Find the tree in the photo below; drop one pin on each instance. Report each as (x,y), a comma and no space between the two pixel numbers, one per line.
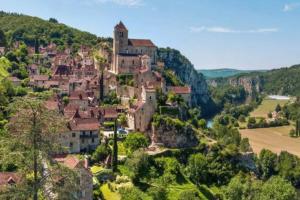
(122,119)
(198,168)
(139,165)
(135,141)
(115,149)
(241,187)
(130,193)
(30,142)
(3,42)
(66,100)
(245,145)
(278,108)
(101,153)
(202,124)
(277,188)
(267,163)
(53,20)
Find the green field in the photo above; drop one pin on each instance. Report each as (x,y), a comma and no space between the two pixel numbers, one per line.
(268,105)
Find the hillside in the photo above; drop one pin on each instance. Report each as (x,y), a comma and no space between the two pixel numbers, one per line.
(222,73)
(18,27)
(283,81)
(186,72)
(25,28)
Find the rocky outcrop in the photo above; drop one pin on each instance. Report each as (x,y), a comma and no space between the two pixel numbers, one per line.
(186,72)
(173,134)
(250,84)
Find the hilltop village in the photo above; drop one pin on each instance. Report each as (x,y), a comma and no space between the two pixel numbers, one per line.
(126,74)
(92,88)
(86,117)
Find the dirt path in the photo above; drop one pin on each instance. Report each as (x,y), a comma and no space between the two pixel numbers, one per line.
(274,139)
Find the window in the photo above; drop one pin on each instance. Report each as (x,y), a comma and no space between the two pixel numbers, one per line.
(150,98)
(93,140)
(71,144)
(83,132)
(73,134)
(91,133)
(133,62)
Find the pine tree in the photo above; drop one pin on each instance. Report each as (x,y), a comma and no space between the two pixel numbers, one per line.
(29,145)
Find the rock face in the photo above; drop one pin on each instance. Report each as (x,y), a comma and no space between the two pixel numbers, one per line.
(250,84)
(173,136)
(186,72)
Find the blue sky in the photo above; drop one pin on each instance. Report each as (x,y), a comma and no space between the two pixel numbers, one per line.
(244,34)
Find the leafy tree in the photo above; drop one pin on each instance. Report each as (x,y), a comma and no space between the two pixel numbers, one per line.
(29,144)
(101,153)
(53,20)
(202,123)
(267,163)
(241,187)
(278,108)
(139,164)
(135,141)
(277,188)
(3,42)
(198,168)
(66,100)
(245,145)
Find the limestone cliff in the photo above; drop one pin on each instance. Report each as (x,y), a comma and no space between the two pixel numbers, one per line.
(173,133)
(186,72)
(251,84)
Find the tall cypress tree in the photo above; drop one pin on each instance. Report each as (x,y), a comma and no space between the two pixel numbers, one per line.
(115,149)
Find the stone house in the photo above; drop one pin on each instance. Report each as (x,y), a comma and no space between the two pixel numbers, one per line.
(82,134)
(183,91)
(79,98)
(38,80)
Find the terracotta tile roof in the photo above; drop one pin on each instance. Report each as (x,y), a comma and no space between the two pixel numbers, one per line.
(79,124)
(9,178)
(109,112)
(180,89)
(78,95)
(69,161)
(140,43)
(39,77)
(120,26)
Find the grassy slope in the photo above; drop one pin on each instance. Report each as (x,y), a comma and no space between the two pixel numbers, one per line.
(268,105)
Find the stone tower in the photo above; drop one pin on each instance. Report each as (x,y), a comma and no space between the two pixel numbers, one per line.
(120,39)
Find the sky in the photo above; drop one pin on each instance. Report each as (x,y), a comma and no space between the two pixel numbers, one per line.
(242,34)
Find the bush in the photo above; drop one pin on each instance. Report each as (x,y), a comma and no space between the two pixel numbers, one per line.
(189,195)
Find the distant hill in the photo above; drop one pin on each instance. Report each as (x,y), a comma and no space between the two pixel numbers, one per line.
(283,81)
(222,73)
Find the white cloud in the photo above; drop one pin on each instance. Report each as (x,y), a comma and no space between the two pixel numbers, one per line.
(290,7)
(129,3)
(218,29)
